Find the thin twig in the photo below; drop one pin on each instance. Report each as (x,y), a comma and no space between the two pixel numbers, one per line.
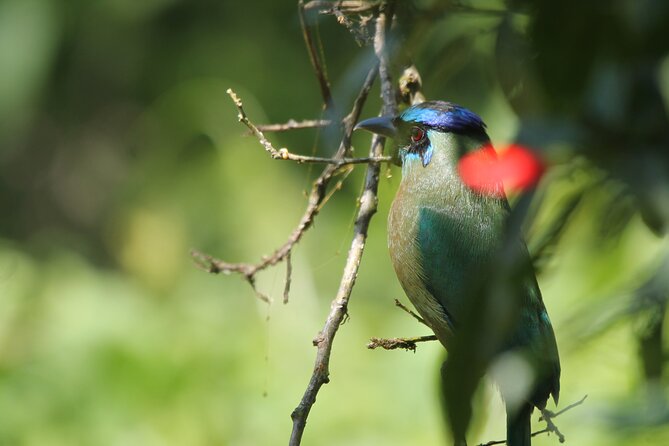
(262,296)
(316,61)
(368,206)
(381,51)
(411,312)
(550,426)
(345,6)
(284,154)
(547,416)
(295,125)
(289,273)
(493,442)
(405,343)
(396,343)
(324,339)
(319,193)
(337,187)
(569,407)
(213,265)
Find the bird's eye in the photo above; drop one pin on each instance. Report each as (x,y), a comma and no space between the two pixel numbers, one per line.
(417,134)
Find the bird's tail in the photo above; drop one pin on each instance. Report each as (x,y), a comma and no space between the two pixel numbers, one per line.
(518,431)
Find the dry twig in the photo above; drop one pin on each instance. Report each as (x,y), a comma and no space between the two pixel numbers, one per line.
(368,204)
(284,154)
(295,125)
(397,343)
(410,312)
(547,416)
(405,343)
(315,57)
(317,197)
(289,274)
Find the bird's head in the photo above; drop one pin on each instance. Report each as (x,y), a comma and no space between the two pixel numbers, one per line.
(419,130)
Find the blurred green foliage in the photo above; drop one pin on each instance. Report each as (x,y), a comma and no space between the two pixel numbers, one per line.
(120,151)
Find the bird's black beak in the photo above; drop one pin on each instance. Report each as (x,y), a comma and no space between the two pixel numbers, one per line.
(383,125)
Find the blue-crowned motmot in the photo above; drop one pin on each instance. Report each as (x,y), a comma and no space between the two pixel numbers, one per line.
(443,235)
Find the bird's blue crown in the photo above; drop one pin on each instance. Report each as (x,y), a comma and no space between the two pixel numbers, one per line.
(446,117)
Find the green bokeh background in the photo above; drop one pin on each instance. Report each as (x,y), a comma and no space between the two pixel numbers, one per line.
(120,151)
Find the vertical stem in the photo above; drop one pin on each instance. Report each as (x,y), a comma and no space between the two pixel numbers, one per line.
(368,205)
(314,57)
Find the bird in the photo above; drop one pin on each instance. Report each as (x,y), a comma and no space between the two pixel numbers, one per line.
(442,235)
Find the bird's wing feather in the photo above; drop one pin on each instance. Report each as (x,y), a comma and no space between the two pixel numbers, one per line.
(455,257)
(454,251)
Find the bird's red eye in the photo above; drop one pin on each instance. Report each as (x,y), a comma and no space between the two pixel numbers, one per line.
(417,134)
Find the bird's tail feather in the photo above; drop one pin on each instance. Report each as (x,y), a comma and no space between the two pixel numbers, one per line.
(518,431)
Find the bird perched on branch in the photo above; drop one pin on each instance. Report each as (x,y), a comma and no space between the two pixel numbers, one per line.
(445,236)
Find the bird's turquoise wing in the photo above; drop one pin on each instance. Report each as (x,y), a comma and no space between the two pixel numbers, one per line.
(456,254)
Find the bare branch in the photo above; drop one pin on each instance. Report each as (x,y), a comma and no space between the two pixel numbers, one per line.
(550,426)
(295,125)
(337,187)
(569,407)
(547,416)
(368,205)
(317,196)
(380,49)
(323,341)
(215,266)
(318,192)
(284,154)
(395,343)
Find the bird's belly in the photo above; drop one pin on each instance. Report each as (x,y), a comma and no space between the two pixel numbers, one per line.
(408,264)
(437,255)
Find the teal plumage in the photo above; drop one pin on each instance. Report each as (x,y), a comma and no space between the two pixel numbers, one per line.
(442,236)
